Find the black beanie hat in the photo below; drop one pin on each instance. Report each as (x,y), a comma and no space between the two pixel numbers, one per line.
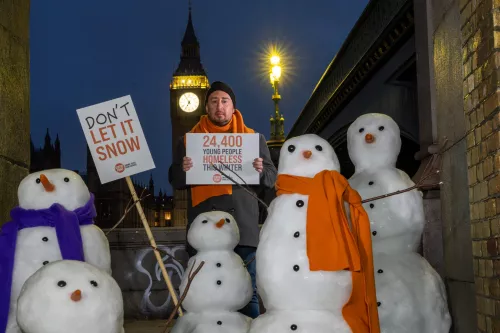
(218,85)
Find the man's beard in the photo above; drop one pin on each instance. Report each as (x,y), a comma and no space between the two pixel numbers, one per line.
(218,122)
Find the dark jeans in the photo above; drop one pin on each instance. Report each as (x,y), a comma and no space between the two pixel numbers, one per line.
(247,253)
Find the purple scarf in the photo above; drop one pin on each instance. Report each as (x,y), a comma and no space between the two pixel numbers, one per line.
(67,224)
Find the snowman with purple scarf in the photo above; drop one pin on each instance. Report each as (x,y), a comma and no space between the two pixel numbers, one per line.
(54,221)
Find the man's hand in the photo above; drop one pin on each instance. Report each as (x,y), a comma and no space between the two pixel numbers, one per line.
(187,164)
(257,164)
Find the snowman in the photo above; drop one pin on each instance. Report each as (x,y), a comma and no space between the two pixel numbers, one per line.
(70,296)
(314,271)
(54,221)
(222,286)
(410,294)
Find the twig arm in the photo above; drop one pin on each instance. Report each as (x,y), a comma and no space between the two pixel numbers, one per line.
(127,210)
(429,171)
(237,184)
(191,276)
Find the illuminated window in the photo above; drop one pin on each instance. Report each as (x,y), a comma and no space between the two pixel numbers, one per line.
(192,81)
(168,216)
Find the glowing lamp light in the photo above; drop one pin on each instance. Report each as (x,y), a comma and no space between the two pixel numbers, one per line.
(276,72)
(275,60)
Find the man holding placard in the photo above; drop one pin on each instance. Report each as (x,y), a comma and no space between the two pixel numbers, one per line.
(221,139)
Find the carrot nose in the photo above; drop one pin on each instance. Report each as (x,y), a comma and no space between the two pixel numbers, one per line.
(47,185)
(369,138)
(220,223)
(76,295)
(307,153)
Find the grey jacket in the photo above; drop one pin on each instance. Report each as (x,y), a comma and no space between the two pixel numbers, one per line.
(241,204)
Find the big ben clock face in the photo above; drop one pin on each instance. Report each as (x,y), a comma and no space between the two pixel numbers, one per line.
(189,102)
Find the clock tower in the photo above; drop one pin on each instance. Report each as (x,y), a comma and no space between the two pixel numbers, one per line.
(187,103)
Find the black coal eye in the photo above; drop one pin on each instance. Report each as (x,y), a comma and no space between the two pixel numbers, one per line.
(319,148)
(228,220)
(66,179)
(61,283)
(291,148)
(381,128)
(93,283)
(38,180)
(361,130)
(204,221)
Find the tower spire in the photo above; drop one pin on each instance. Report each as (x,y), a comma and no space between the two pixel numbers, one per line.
(48,141)
(189,35)
(190,57)
(151,185)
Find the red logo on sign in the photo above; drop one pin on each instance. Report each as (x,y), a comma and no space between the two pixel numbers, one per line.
(119,168)
(217,178)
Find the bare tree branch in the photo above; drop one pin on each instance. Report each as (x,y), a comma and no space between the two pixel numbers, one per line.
(429,171)
(162,252)
(397,192)
(184,294)
(130,206)
(244,188)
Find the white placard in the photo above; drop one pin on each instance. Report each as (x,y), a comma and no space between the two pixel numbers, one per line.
(231,153)
(115,138)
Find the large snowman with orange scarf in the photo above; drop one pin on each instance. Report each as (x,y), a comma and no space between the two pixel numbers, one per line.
(410,294)
(54,221)
(314,271)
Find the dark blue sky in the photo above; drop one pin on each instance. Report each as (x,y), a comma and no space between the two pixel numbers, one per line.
(86,52)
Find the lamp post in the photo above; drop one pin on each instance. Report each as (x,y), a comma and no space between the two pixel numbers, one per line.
(277,130)
(277,122)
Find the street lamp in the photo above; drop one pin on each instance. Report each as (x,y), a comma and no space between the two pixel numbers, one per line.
(277,122)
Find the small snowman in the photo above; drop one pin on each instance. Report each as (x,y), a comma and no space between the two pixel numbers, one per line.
(70,296)
(314,273)
(54,221)
(410,294)
(222,286)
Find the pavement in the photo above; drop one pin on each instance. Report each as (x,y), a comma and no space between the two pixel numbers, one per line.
(147,326)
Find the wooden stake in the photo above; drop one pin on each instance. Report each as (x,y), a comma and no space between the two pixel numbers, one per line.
(153,243)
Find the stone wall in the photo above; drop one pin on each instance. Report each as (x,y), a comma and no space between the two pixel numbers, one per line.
(14,101)
(480,21)
(447,238)
(452,125)
(138,274)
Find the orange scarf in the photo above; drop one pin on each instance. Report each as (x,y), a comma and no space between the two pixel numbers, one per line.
(201,193)
(332,246)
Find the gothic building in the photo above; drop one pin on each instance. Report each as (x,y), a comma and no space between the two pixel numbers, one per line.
(46,157)
(112,200)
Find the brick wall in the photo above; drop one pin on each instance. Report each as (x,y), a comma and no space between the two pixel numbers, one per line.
(481,62)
